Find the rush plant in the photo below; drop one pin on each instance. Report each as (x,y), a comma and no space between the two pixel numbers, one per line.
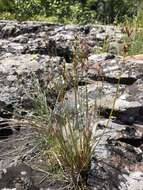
(65,133)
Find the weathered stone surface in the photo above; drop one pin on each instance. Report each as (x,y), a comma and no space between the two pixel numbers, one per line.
(31,50)
(114,68)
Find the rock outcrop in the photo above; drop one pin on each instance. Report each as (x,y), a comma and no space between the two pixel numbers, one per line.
(32,49)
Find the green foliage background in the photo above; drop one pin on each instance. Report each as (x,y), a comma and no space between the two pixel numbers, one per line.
(76,11)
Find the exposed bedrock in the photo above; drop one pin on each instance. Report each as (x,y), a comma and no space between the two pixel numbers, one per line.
(32,50)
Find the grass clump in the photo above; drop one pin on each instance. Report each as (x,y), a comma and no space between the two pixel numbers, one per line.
(65,133)
(133,40)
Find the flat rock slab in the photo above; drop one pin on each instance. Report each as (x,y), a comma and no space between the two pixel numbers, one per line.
(34,53)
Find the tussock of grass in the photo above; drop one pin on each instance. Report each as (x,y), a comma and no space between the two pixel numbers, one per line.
(133,41)
(65,136)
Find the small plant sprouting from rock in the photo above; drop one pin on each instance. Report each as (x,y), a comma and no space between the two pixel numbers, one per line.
(64,132)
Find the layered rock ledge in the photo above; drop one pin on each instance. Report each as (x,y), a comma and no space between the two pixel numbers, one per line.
(40,48)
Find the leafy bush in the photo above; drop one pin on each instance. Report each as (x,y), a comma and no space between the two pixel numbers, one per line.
(82,15)
(110,10)
(26,9)
(68,11)
(77,11)
(7,16)
(6,5)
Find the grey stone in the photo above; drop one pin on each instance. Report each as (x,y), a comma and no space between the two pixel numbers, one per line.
(33,55)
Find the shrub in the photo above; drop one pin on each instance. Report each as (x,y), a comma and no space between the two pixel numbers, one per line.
(77,11)
(26,9)
(109,11)
(6,5)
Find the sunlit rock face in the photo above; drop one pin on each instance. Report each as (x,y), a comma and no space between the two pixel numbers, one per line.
(31,51)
